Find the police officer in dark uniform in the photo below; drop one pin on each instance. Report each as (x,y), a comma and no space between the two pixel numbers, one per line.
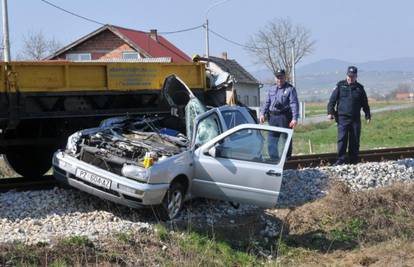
(345,105)
(282,108)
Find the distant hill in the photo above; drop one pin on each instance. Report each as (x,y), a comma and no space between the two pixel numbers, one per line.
(323,67)
(335,66)
(394,64)
(379,77)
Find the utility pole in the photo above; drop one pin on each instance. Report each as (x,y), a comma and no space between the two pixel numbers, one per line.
(302,105)
(207,41)
(6,43)
(206,26)
(293,64)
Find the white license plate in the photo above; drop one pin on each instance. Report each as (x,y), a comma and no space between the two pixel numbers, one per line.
(94,179)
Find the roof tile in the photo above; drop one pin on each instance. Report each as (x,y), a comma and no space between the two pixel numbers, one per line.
(160,48)
(235,69)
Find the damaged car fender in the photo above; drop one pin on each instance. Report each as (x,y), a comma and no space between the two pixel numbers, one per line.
(172,167)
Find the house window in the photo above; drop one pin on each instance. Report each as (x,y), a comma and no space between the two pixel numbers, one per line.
(255,101)
(78,56)
(246,100)
(130,55)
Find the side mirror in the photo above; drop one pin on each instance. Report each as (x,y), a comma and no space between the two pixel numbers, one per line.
(212,152)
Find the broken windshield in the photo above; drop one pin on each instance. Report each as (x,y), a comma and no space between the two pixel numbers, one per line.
(207,129)
(192,110)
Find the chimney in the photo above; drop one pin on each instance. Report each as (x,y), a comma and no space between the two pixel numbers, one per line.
(224,55)
(153,34)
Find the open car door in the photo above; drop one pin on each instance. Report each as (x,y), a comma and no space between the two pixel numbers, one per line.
(243,164)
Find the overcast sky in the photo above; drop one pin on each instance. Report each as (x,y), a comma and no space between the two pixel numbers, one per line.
(351,30)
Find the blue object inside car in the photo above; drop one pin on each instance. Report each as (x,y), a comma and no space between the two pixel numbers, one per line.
(168,131)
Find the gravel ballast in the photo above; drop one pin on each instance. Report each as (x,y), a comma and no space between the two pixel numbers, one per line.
(304,185)
(44,216)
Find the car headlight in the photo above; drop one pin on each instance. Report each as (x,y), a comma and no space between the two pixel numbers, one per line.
(72,143)
(135,172)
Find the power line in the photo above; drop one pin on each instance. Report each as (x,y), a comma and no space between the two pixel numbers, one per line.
(100,23)
(230,41)
(236,43)
(72,13)
(183,30)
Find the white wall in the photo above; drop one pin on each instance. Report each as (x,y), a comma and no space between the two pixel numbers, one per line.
(248,94)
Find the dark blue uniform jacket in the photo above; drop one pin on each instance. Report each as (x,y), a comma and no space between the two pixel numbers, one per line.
(281,100)
(347,100)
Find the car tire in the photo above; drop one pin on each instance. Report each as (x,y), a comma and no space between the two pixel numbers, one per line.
(172,203)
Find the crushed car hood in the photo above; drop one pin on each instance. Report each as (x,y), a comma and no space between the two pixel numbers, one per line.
(182,100)
(176,92)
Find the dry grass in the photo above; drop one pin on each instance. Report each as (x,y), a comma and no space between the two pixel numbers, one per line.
(388,253)
(125,249)
(368,217)
(373,227)
(120,250)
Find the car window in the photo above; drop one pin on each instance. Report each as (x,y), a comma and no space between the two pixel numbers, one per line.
(233,118)
(253,145)
(207,129)
(192,110)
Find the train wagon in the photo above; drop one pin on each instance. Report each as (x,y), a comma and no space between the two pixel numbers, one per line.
(42,102)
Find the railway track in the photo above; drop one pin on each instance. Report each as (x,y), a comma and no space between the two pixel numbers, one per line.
(27,184)
(374,155)
(296,162)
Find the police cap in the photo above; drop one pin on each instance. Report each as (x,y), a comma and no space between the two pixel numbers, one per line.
(280,73)
(352,71)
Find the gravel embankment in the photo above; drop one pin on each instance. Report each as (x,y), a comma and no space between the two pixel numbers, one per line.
(304,185)
(44,216)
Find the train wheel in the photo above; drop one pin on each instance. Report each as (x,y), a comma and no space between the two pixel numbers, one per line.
(30,161)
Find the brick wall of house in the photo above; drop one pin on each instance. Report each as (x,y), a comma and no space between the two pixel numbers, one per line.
(104,45)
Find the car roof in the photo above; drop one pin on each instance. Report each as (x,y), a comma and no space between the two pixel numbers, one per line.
(227,107)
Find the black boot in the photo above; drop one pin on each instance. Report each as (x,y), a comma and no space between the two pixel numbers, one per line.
(338,162)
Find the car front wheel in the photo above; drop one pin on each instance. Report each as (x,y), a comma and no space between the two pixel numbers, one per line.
(172,203)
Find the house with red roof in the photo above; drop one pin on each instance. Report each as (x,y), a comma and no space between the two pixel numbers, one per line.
(121,44)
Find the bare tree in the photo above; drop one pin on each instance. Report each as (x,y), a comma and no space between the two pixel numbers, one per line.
(273,45)
(36,46)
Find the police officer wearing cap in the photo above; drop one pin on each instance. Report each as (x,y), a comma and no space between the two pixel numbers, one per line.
(282,108)
(345,105)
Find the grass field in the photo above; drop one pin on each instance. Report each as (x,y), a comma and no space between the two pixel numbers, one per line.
(315,109)
(387,129)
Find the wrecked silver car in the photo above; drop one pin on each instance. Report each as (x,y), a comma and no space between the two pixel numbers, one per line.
(161,161)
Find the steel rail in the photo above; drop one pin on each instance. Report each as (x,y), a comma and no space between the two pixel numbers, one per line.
(373,155)
(27,183)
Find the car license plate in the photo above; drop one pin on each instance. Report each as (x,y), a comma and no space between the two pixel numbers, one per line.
(94,179)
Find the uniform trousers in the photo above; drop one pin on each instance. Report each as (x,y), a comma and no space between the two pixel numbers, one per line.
(280,120)
(349,132)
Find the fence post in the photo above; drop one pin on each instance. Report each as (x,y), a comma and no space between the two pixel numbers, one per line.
(310,146)
(302,109)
